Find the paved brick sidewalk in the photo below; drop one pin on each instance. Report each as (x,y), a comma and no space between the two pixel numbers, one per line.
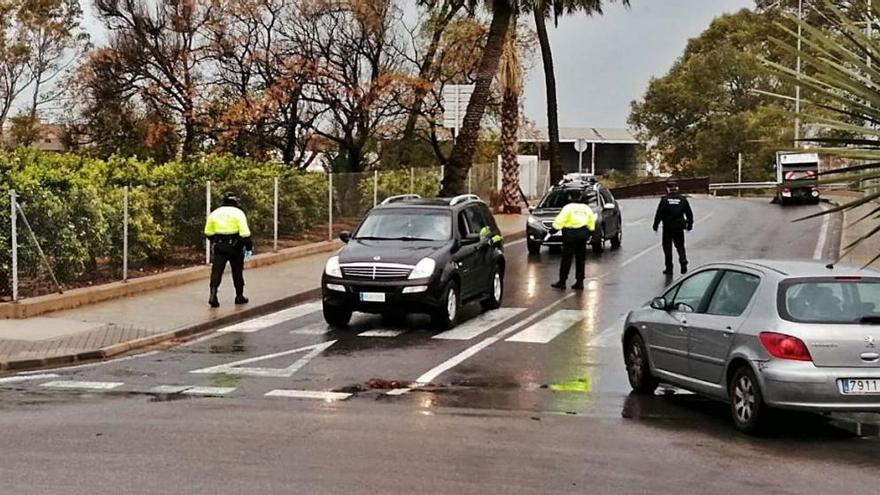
(105,329)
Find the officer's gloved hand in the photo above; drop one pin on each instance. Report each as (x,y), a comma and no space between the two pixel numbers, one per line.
(248,254)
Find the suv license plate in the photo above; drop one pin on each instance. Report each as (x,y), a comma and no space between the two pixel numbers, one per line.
(859,386)
(373,297)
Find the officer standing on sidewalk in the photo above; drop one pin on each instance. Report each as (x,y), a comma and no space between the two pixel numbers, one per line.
(577,223)
(227,229)
(674,212)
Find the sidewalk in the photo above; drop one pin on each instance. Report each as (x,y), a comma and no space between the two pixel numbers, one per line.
(114,327)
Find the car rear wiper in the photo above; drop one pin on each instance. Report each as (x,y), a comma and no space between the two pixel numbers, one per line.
(869,320)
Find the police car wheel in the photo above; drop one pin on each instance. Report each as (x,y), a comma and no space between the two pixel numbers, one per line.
(617,241)
(599,244)
(534,247)
(496,292)
(337,316)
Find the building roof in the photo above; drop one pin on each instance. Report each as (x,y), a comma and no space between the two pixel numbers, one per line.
(571,134)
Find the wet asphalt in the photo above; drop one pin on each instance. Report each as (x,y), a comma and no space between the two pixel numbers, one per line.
(553,414)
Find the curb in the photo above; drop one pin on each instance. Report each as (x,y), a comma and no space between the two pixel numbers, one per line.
(180,333)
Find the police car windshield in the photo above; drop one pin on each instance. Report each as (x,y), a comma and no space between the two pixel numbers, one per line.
(560,198)
(415,225)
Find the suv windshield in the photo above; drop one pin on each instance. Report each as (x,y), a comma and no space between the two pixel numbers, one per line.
(831,301)
(406,225)
(559,198)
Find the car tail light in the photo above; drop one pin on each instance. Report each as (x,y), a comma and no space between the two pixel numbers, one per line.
(786,190)
(785,346)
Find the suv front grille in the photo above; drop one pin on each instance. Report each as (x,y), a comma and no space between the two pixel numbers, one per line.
(376,271)
(548,224)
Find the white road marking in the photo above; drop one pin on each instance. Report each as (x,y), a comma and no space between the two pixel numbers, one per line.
(386,334)
(25,378)
(544,331)
(476,348)
(235,368)
(211,391)
(635,223)
(398,391)
(83,385)
(480,325)
(308,394)
(316,329)
(169,389)
(273,319)
(819,253)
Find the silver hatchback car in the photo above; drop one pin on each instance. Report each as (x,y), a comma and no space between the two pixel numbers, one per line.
(763,334)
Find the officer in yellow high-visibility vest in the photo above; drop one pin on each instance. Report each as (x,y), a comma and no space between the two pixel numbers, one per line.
(577,223)
(230,236)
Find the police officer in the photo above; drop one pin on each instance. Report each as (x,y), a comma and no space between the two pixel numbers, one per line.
(675,213)
(227,228)
(577,223)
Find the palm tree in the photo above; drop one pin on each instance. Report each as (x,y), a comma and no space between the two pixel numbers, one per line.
(510,78)
(542,10)
(463,152)
(842,97)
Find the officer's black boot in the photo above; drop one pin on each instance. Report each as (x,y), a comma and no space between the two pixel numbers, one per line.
(213,301)
(684,268)
(559,285)
(579,285)
(239,297)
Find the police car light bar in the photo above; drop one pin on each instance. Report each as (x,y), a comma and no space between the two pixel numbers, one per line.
(402,197)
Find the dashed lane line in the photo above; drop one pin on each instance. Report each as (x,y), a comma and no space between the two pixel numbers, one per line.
(209,391)
(384,334)
(273,319)
(26,378)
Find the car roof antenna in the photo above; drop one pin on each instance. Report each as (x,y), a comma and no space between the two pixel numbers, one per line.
(830,266)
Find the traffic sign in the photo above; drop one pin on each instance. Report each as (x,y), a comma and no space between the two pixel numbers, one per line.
(580,145)
(456,98)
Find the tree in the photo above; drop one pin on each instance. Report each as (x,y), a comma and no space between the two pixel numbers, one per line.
(164,50)
(511,82)
(705,110)
(15,54)
(462,154)
(542,10)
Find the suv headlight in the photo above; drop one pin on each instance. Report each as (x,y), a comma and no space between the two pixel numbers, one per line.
(332,269)
(534,222)
(424,269)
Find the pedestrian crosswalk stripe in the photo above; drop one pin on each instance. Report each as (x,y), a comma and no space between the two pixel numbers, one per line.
(273,319)
(480,325)
(237,368)
(388,334)
(209,391)
(25,378)
(308,394)
(82,385)
(547,329)
(316,329)
(169,389)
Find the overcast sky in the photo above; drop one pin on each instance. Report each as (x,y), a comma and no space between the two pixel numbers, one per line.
(603,63)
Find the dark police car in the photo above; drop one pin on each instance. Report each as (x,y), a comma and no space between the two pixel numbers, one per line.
(413,255)
(609,225)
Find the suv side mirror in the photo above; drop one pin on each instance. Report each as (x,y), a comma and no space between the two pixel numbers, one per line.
(610,206)
(345,236)
(660,304)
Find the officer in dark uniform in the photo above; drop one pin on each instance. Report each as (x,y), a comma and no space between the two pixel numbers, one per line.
(227,229)
(675,213)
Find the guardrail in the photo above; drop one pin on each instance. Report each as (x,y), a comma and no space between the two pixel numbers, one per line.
(739,186)
(686,186)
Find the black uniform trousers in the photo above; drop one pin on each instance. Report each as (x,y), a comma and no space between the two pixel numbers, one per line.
(574,247)
(228,251)
(674,237)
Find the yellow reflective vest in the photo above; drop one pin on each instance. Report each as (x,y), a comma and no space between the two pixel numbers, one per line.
(227,220)
(575,216)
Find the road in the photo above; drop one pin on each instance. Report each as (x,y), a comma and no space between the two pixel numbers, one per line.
(530,399)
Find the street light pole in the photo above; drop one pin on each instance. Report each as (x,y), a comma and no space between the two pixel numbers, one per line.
(797,103)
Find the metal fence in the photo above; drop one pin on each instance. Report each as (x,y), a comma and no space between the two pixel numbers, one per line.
(59,242)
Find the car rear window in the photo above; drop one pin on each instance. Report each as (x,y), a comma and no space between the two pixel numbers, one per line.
(830,300)
(559,198)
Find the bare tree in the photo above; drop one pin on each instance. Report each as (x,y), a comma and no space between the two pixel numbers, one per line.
(15,75)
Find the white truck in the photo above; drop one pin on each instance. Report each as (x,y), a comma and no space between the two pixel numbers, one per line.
(796,176)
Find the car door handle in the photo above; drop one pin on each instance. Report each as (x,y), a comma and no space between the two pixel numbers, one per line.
(728,332)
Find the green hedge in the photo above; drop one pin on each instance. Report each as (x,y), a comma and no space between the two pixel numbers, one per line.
(75,206)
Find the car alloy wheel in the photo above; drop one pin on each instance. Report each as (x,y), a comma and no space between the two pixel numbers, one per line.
(496,286)
(637,368)
(746,401)
(451,304)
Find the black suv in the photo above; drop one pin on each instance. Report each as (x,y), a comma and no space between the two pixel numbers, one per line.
(609,224)
(413,255)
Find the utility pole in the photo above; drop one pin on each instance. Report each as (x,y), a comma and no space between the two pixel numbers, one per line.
(797,103)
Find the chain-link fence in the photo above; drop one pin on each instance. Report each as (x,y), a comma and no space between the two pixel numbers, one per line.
(71,235)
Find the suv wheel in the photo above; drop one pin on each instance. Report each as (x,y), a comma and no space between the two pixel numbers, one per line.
(446,316)
(746,401)
(617,240)
(599,244)
(637,368)
(337,316)
(494,299)
(534,247)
